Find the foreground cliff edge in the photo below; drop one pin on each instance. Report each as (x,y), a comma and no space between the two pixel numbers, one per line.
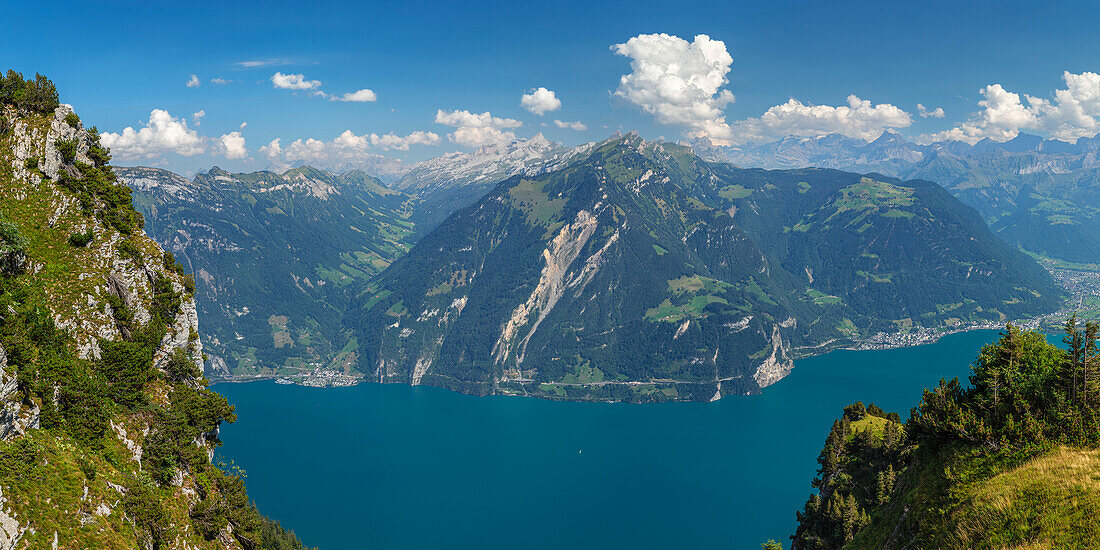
(108,429)
(1009,461)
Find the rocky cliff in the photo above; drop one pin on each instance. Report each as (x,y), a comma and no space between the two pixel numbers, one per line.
(107,429)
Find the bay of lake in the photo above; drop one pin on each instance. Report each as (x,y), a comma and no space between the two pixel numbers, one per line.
(395,466)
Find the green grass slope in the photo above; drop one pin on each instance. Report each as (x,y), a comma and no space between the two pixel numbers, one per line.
(1009,461)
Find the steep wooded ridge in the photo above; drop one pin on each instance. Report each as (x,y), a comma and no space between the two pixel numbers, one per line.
(640,272)
(107,430)
(1009,460)
(274,255)
(1041,195)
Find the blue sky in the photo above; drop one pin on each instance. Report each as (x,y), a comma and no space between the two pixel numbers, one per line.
(116,62)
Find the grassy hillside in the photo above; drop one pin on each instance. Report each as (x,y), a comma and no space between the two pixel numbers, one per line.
(1009,461)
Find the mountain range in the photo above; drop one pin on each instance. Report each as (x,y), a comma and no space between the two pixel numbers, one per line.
(273,255)
(446,183)
(620,269)
(1039,194)
(641,272)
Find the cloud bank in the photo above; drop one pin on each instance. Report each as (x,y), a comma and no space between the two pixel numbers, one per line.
(347,149)
(859,119)
(164,134)
(1073,113)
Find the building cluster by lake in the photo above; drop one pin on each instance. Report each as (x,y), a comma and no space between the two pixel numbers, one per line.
(322,378)
(1082,287)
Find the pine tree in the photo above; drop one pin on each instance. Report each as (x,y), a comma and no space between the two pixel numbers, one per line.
(1090,365)
(1071,367)
(834,447)
(890,437)
(852,517)
(1009,352)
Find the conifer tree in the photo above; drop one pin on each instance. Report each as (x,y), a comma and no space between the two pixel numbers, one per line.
(1090,365)
(1071,367)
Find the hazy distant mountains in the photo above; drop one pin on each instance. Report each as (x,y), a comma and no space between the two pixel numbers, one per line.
(1042,195)
(446,183)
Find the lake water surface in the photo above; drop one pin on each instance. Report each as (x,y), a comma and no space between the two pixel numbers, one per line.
(394,466)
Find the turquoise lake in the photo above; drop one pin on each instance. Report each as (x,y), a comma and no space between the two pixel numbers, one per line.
(394,466)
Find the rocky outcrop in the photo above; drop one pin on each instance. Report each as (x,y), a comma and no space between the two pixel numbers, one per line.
(84,310)
(778,363)
(559,255)
(10,529)
(15,418)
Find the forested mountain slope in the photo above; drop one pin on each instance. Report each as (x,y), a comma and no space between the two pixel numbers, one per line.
(1038,194)
(640,272)
(107,428)
(274,255)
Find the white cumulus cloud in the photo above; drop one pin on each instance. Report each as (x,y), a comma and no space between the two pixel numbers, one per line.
(294,82)
(219,81)
(363,95)
(466,118)
(272,150)
(401,143)
(480,136)
(348,148)
(1073,113)
(197,117)
(578,125)
(679,82)
(162,134)
(194,82)
(231,146)
(477,130)
(540,101)
(930,113)
(1000,119)
(859,119)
